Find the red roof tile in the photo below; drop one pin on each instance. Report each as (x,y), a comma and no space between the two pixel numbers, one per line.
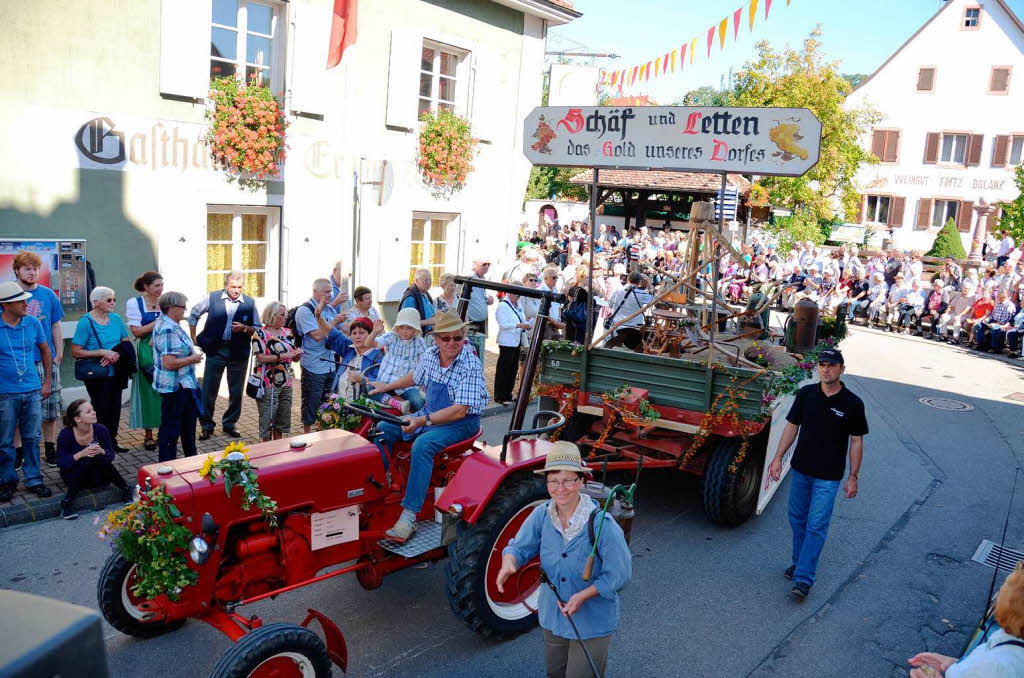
(662,179)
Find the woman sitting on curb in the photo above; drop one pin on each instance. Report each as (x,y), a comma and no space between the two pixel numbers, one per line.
(85,455)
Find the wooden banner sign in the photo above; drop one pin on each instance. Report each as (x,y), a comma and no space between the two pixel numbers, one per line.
(768,141)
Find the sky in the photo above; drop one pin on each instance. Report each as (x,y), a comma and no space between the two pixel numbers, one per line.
(861,34)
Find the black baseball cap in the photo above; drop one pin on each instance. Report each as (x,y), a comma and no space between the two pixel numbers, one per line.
(831,355)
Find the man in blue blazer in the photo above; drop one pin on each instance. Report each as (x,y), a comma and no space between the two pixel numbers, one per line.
(230,321)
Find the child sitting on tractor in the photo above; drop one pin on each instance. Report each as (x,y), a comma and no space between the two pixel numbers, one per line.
(403,347)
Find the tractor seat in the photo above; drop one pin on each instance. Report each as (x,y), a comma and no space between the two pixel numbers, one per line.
(456,449)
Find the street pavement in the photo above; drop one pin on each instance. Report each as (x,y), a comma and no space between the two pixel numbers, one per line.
(895,577)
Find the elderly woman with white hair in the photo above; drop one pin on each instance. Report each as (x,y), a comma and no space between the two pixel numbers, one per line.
(104,358)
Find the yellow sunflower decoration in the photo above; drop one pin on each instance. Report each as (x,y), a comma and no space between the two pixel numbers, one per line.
(237,446)
(206,471)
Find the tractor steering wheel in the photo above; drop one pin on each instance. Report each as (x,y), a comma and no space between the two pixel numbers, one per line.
(376,415)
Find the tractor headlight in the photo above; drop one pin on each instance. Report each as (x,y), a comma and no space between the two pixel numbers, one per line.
(455,510)
(198,550)
(136,494)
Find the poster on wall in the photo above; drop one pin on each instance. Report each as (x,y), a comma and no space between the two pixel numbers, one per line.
(63,270)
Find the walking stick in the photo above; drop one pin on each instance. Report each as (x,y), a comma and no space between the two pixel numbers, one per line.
(593,666)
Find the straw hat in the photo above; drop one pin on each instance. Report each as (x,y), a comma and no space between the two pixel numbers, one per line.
(11,291)
(409,317)
(449,321)
(564,456)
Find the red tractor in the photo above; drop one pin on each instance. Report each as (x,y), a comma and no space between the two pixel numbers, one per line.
(337,493)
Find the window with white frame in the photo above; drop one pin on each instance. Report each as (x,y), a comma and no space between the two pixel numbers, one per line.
(429,244)
(954,149)
(877,209)
(245,41)
(242,238)
(971,17)
(1016,150)
(439,72)
(943,211)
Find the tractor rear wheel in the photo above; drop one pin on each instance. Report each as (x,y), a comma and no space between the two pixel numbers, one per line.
(731,498)
(273,651)
(120,606)
(474,559)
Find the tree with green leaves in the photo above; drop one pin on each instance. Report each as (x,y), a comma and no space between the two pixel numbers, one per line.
(806,79)
(1013,211)
(948,243)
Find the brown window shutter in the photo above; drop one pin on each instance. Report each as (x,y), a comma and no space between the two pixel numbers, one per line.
(1002,147)
(892,143)
(931,148)
(863,204)
(925,79)
(974,142)
(878,143)
(896,208)
(1000,80)
(963,216)
(924,213)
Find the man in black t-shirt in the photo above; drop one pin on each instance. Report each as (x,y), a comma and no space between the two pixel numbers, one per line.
(830,419)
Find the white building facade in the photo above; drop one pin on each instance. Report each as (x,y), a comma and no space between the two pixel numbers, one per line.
(952,101)
(106,128)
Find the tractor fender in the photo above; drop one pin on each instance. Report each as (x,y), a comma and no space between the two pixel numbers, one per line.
(483,472)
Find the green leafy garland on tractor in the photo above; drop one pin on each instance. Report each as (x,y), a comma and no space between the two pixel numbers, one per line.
(333,415)
(147,533)
(237,471)
(644,416)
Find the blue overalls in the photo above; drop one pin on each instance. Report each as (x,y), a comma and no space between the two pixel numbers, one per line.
(427,442)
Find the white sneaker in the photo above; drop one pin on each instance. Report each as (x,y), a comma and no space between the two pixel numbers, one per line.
(401,531)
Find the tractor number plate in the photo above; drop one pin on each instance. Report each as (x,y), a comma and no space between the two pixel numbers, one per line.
(334,527)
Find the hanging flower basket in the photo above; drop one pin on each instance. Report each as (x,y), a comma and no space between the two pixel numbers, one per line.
(446,152)
(246,134)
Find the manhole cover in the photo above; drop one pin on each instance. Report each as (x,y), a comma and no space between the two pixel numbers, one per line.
(946,404)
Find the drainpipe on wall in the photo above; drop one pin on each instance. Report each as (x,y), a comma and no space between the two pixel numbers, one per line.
(357,212)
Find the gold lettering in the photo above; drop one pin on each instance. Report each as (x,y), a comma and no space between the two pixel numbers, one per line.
(137,146)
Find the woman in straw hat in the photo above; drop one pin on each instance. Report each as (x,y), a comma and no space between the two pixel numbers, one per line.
(558,531)
(452,377)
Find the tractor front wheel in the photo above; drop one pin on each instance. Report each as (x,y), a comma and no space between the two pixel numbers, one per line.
(474,559)
(730,498)
(120,607)
(276,651)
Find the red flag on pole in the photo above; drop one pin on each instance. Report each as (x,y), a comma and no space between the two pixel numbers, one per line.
(343,30)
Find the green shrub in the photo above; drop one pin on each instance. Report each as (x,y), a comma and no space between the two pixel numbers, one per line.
(800,227)
(947,243)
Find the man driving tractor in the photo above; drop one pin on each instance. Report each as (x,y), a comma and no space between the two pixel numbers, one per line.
(452,378)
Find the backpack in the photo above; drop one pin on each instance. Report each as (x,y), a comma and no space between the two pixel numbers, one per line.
(289,322)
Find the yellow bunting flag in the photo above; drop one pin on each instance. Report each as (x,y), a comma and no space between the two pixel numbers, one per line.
(723,27)
(753,13)
(657,62)
(673,61)
(693,49)
(643,68)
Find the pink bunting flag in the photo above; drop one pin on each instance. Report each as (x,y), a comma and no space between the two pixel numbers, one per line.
(737,15)
(767,6)
(711,39)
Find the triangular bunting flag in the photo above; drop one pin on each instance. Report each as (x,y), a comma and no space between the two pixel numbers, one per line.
(753,13)
(693,50)
(682,57)
(674,61)
(648,71)
(657,62)
(736,24)
(711,39)
(722,29)
(643,70)
(664,63)
(767,6)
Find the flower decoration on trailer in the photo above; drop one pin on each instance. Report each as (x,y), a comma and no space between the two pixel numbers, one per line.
(332,413)
(446,152)
(236,470)
(246,136)
(562,393)
(148,533)
(620,404)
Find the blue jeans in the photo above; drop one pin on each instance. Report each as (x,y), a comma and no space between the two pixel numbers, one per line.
(315,389)
(810,512)
(853,306)
(478,342)
(178,414)
(22,411)
(427,444)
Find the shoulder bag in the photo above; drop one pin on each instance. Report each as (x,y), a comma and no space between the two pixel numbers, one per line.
(91,368)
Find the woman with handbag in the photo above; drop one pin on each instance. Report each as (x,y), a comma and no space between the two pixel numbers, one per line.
(99,344)
(273,351)
(141,313)
(511,321)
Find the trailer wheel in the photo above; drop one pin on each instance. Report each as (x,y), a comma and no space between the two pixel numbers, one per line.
(474,559)
(276,650)
(731,498)
(120,606)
